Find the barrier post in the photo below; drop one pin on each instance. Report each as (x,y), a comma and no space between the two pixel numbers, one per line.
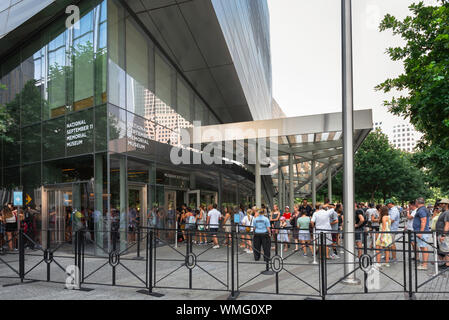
(138,241)
(435,251)
(410,273)
(234,294)
(21,256)
(176,234)
(404,262)
(189,251)
(365,251)
(416,262)
(47,253)
(314,239)
(114,248)
(323,265)
(149,267)
(150,262)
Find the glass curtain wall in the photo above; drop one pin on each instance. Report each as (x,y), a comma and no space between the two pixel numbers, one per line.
(54,89)
(148,103)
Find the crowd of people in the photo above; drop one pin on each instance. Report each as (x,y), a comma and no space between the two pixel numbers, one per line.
(377,226)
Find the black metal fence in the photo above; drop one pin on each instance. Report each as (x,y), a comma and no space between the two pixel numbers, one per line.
(280,264)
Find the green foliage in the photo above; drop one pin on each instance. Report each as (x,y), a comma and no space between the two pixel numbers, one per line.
(423,88)
(6,120)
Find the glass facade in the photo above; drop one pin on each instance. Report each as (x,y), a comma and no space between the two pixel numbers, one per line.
(95,111)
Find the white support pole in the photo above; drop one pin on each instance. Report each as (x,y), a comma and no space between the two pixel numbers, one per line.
(435,251)
(314,247)
(290,183)
(329,183)
(258,179)
(348,146)
(280,193)
(313,183)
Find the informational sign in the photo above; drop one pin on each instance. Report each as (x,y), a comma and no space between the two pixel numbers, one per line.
(18,198)
(78,132)
(138,137)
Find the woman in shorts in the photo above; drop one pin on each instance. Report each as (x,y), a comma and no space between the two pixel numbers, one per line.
(303,224)
(247,222)
(201,222)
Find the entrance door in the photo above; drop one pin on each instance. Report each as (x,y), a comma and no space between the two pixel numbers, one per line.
(64,209)
(193,199)
(137,209)
(57,207)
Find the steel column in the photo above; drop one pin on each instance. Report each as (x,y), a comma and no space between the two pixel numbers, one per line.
(348,146)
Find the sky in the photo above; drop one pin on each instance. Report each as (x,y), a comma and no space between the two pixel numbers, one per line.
(306,54)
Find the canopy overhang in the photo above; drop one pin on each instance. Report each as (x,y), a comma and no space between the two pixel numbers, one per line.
(302,141)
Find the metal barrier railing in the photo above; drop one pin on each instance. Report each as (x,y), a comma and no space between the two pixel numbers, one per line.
(148,262)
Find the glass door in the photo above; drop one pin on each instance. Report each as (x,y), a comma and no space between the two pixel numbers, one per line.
(66,209)
(57,216)
(194,199)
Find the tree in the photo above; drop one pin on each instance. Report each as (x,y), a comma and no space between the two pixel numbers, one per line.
(423,87)
(5,119)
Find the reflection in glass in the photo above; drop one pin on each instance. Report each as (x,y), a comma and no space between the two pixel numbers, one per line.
(31,143)
(136,69)
(116,49)
(54,138)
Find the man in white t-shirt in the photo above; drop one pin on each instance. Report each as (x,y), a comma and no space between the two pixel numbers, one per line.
(213,220)
(321,221)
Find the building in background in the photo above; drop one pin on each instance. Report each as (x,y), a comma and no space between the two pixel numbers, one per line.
(400,132)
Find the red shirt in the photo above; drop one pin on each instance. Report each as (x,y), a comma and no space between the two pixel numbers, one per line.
(287,215)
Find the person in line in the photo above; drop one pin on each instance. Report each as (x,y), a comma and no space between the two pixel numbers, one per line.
(287,215)
(384,238)
(442,229)
(359,224)
(410,215)
(294,227)
(305,206)
(227,226)
(275,221)
(241,227)
(373,222)
(213,220)
(303,224)
(333,215)
(283,234)
(262,236)
(247,223)
(421,224)
(10,221)
(202,219)
(322,224)
(395,217)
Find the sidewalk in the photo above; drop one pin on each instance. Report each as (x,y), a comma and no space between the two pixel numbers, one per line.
(212,273)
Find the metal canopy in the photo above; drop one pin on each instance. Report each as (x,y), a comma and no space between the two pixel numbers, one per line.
(315,138)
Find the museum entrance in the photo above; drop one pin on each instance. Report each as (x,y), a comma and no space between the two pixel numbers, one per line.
(67,208)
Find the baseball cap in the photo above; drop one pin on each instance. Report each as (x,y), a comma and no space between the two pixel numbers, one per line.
(445,201)
(388,201)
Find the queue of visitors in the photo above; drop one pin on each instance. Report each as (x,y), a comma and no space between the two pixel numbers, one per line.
(296,230)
